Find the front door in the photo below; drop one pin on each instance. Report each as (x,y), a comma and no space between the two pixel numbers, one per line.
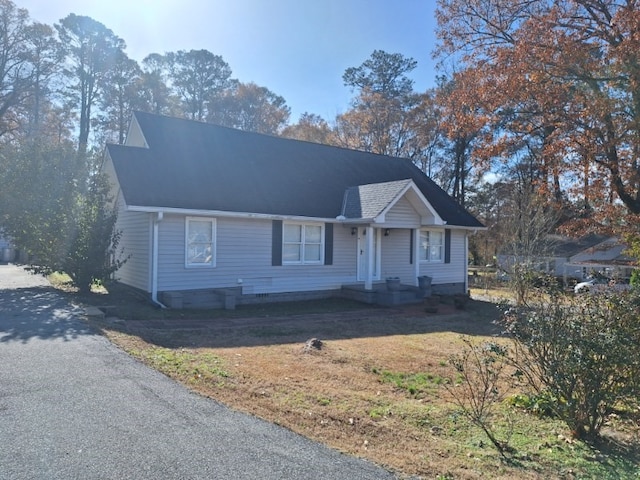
(363,254)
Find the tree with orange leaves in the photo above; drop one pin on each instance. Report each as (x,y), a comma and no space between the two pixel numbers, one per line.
(557,81)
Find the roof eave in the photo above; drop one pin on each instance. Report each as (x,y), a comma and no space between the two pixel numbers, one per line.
(270,216)
(230,214)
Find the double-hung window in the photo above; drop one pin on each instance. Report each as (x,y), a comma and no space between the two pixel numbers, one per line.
(432,246)
(200,242)
(302,243)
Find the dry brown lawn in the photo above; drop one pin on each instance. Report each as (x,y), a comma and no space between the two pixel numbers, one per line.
(356,393)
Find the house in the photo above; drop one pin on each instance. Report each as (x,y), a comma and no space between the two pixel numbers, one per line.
(252,217)
(578,258)
(605,258)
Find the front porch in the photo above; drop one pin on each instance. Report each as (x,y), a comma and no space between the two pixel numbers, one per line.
(228,298)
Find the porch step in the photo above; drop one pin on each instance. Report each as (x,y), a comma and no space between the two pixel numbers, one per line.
(399,297)
(380,295)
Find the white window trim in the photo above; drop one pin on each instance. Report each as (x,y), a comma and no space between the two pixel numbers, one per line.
(214,243)
(420,250)
(302,261)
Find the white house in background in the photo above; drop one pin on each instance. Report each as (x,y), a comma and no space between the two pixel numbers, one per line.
(207,211)
(606,258)
(579,258)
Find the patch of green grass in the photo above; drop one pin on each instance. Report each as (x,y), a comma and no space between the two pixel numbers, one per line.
(543,404)
(190,365)
(409,411)
(381,411)
(446,476)
(540,444)
(296,399)
(416,384)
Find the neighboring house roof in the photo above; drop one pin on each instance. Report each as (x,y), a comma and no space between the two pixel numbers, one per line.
(200,166)
(610,252)
(560,246)
(567,247)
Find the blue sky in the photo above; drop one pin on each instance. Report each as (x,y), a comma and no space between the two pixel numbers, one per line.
(299,49)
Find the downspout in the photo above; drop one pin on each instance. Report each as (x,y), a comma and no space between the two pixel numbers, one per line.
(154,261)
(466,263)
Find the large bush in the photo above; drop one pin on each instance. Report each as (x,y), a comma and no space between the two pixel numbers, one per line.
(92,255)
(62,218)
(583,351)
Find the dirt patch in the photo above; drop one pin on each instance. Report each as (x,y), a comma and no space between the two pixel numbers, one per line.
(286,329)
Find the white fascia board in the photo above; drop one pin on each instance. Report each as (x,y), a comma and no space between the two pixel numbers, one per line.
(220,213)
(462,227)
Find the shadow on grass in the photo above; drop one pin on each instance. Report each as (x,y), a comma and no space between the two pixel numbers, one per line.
(294,322)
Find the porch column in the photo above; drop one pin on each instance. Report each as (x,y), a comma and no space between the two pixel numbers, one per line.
(415,234)
(368,281)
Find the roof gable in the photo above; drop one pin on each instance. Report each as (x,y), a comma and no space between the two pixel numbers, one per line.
(135,136)
(369,201)
(375,200)
(200,166)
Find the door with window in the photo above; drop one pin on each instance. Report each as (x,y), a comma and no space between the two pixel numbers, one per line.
(363,254)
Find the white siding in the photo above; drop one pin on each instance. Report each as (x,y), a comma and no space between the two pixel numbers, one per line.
(402,214)
(135,137)
(456,270)
(243,257)
(396,256)
(135,244)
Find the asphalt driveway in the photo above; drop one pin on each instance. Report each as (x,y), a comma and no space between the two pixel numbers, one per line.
(73,406)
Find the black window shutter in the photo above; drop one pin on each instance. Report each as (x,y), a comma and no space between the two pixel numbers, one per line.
(447,246)
(328,243)
(276,243)
(411,247)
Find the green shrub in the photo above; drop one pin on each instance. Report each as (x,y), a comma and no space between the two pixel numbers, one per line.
(582,351)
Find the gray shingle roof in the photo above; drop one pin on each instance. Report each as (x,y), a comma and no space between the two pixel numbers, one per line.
(562,246)
(194,165)
(368,201)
